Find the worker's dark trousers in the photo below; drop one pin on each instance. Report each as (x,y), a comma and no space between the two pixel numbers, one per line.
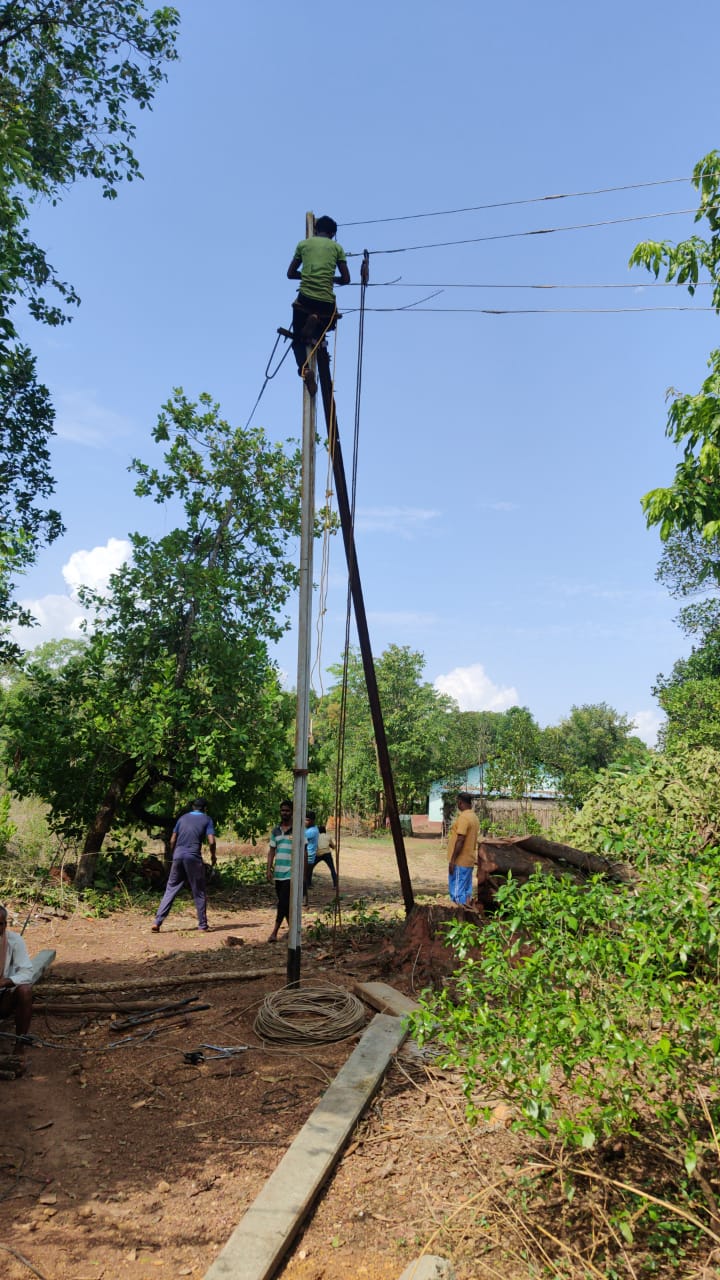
(282,889)
(328,859)
(191,872)
(302,308)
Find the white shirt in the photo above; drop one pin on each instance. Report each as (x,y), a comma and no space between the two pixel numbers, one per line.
(17,960)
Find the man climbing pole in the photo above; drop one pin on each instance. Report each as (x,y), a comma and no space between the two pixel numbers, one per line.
(315,309)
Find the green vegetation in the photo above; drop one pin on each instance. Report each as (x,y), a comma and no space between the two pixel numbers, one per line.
(592,1011)
(420,727)
(72,75)
(173,693)
(691,503)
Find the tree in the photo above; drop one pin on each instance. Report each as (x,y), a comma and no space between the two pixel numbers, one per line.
(514,764)
(592,737)
(473,736)
(691,503)
(174,692)
(689,696)
(689,568)
(71,73)
(418,726)
(26,423)
(692,708)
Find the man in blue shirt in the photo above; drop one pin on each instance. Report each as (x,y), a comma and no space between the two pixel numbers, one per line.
(311,844)
(187,864)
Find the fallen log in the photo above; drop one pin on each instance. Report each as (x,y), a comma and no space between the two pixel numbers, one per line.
(96,1006)
(76,1008)
(71,987)
(523,855)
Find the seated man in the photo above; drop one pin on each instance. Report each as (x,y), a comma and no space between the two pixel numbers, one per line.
(15,982)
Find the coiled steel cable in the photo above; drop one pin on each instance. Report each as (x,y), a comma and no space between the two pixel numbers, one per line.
(316,1011)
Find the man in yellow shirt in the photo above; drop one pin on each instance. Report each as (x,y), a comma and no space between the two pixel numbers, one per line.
(314,310)
(462,850)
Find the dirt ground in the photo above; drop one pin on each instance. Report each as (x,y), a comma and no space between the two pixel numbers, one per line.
(122,1160)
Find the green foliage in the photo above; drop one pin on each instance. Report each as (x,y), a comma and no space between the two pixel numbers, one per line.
(7,827)
(524,825)
(359,923)
(691,502)
(690,695)
(514,764)
(72,74)
(651,810)
(693,714)
(173,693)
(26,424)
(240,873)
(418,725)
(593,1009)
(588,740)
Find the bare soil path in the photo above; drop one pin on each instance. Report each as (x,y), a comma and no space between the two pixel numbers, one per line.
(123,1161)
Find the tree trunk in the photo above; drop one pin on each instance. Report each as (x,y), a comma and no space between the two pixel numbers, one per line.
(101,824)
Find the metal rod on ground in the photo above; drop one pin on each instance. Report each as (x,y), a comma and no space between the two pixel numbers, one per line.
(302,715)
(325,376)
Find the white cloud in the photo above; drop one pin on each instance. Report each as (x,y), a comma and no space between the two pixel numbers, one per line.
(81,420)
(405,522)
(58,618)
(647,724)
(473,690)
(93,568)
(500,506)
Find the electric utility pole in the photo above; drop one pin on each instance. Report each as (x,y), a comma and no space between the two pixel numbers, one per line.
(302,714)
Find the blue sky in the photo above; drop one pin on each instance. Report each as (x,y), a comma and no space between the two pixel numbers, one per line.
(502,457)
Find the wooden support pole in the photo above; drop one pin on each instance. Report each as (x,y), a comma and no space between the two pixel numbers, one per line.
(343,502)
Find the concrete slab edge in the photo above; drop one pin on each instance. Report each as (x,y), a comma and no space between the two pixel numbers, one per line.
(266,1231)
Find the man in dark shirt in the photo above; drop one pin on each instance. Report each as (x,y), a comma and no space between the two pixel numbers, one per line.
(187,864)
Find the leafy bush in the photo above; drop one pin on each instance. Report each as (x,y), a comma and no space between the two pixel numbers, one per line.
(7,828)
(360,922)
(594,1011)
(664,808)
(237,873)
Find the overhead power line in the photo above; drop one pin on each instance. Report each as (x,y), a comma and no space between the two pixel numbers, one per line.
(508,204)
(650,284)
(528,311)
(539,231)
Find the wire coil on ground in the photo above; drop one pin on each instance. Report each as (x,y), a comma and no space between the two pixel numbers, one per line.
(316,1011)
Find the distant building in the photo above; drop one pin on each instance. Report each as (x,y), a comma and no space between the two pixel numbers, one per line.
(542,801)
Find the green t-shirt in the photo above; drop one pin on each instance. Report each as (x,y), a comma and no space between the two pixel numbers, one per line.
(319,257)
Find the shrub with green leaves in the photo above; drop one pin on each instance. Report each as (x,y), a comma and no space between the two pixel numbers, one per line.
(664,808)
(591,1008)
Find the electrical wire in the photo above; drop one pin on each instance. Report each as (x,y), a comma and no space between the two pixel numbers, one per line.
(528,311)
(508,204)
(538,231)
(632,284)
(317,1011)
(269,376)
